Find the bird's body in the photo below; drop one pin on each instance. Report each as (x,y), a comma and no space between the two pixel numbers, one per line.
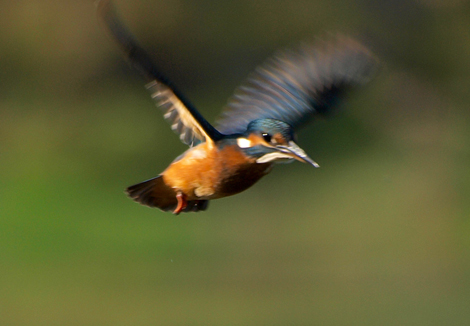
(256,129)
(211,172)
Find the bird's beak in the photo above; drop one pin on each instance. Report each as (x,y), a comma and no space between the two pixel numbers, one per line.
(293,150)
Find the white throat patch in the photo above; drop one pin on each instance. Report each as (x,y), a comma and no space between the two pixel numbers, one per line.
(275,156)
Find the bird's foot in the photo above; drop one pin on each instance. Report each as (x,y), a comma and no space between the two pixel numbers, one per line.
(182,203)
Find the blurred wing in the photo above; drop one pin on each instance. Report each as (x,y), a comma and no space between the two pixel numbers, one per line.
(185,120)
(294,86)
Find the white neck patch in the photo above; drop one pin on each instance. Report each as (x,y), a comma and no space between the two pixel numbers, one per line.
(243,142)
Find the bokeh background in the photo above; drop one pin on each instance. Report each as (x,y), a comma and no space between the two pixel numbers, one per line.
(379,235)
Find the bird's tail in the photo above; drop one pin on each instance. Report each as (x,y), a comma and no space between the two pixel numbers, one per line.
(156,193)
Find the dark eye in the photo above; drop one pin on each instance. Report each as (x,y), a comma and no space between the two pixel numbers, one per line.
(267,137)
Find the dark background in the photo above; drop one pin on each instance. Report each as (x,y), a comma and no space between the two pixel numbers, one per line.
(379,235)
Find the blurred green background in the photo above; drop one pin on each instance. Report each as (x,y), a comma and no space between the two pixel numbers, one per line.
(379,235)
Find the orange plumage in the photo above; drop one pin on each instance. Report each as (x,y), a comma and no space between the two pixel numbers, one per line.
(202,173)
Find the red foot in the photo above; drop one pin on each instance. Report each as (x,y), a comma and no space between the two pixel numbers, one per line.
(182,203)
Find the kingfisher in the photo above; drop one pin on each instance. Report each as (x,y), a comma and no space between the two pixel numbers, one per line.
(255,129)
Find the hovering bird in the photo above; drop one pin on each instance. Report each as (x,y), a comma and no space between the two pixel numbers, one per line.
(256,128)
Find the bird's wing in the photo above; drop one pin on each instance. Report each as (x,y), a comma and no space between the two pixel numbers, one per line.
(296,85)
(185,120)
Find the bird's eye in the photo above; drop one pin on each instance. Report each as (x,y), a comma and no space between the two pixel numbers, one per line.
(267,137)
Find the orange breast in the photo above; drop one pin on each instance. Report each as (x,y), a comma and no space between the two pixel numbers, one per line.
(208,172)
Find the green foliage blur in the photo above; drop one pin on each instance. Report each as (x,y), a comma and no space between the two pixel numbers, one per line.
(379,235)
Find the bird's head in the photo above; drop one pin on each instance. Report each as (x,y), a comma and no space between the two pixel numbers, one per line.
(271,140)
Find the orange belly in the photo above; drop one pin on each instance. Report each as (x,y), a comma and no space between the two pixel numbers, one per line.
(208,173)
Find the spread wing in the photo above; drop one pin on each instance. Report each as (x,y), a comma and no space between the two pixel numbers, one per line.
(296,85)
(185,120)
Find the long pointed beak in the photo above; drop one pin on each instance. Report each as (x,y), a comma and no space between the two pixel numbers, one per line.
(297,153)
